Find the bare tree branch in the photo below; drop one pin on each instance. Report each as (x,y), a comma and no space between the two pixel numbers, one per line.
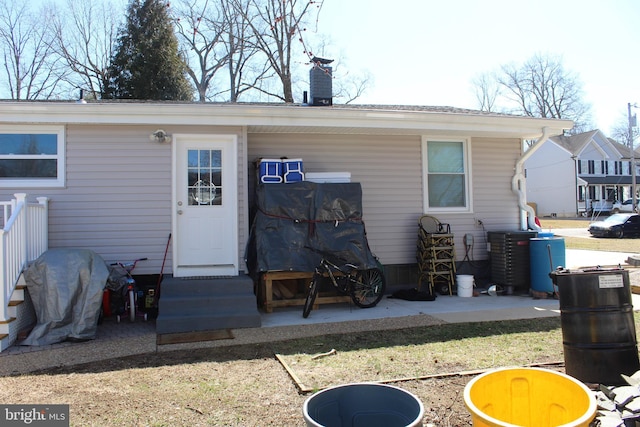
(486,91)
(620,131)
(245,69)
(277,25)
(202,27)
(27,51)
(348,87)
(540,87)
(84,39)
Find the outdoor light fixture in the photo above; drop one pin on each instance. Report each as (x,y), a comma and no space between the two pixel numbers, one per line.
(160,136)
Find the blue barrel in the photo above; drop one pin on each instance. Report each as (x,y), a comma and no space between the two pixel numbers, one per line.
(545,252)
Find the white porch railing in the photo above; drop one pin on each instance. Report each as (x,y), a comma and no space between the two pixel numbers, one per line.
(23,238)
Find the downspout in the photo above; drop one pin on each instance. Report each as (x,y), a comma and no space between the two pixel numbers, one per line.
(518,185)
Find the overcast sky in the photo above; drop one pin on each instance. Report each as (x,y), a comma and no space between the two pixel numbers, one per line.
(426,52)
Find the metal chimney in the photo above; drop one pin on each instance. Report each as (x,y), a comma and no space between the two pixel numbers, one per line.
(321,85)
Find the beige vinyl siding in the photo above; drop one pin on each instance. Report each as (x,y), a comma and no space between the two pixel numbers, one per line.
(117,196)
(389,169)
(117,199)
(492,165)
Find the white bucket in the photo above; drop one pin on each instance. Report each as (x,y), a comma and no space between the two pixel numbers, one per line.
(465,285)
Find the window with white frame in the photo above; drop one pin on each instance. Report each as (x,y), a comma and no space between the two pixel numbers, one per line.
(32,156)
(446,175)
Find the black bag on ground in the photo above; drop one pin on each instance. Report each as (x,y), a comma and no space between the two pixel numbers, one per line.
(413,295)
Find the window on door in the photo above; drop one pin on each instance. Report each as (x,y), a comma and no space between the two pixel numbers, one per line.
(204,177)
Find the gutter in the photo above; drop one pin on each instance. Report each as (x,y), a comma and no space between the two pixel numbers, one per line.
(518,184)
(278,118)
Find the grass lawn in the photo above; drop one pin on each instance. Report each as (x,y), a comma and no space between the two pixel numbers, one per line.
(564,223)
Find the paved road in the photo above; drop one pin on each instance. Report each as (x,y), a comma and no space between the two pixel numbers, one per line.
(571,232)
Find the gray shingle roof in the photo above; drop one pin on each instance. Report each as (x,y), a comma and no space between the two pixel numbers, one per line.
(380,107)
(575,143)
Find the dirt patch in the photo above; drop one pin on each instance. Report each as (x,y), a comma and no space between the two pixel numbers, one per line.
(227,387)
(247,386)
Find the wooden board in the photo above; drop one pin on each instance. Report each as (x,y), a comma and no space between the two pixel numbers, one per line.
(266,291)
(195,336)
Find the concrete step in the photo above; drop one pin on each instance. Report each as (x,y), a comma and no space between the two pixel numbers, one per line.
(202,304)
(205,304)
(178,287)
(172,324)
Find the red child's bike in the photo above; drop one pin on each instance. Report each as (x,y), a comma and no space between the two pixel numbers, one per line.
(123,289)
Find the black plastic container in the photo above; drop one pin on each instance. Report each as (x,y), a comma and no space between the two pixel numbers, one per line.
(363,405)
(510,259)
(147,299)
(598,330)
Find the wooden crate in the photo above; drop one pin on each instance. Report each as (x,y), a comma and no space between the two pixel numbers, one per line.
(265,293)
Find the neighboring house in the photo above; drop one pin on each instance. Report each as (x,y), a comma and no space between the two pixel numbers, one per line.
(578,174)
(118,187)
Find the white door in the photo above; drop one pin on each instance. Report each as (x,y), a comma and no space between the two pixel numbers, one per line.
(205,201)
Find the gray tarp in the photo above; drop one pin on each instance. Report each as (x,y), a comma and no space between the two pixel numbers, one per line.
(294,216)
(66,286)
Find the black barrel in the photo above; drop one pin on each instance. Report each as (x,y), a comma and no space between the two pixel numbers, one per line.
(598,330)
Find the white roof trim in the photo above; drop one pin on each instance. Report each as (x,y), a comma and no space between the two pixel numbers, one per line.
(560,146)
(598,147)
(282,118)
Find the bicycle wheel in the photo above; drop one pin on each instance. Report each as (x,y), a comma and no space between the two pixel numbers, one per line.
(311,295)
(132,305)
(367,287)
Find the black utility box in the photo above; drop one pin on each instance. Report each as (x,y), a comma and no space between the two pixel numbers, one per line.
(510,259)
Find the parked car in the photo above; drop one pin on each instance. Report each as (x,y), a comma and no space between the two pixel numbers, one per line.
(617,225)
(626,206)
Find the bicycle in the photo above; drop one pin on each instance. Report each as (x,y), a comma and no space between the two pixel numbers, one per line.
(121,283)
(365,287)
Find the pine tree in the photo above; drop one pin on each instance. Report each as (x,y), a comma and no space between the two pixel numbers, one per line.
(146,63)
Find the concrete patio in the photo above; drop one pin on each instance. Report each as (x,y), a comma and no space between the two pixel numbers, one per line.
(124,339)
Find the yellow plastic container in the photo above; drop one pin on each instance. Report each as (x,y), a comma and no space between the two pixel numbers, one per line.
(530,397)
